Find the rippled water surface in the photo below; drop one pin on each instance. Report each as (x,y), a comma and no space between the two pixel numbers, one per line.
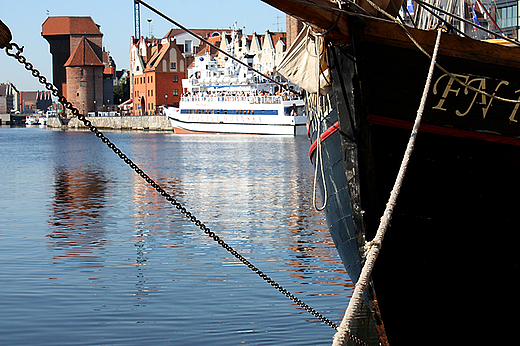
(91,255)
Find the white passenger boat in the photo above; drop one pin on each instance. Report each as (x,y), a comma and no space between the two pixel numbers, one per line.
(277,115)
(223,96)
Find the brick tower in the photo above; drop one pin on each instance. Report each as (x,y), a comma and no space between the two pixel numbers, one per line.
(294,26)
(77,60)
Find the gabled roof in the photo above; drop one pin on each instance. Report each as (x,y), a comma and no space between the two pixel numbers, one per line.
(33,96)
(158,56)
(277,36)
(70,26)
(83,55)
(205,33)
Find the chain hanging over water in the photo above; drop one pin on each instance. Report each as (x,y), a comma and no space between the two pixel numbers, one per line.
(15,51)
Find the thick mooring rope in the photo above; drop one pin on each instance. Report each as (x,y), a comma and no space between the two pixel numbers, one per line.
(374,246)
(319,113)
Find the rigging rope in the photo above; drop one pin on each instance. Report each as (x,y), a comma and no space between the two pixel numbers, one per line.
(407,32)
(319,112)
(374,246)
(455,78)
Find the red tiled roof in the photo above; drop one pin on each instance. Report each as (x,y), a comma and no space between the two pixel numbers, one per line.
(109,70)
(69,26)
(202,32)
(83,55)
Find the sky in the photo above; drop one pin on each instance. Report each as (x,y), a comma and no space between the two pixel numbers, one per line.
(116,18)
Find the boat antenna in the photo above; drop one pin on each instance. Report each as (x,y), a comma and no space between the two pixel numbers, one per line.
(284,86)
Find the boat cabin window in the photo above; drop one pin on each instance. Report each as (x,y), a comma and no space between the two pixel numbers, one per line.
(289,111)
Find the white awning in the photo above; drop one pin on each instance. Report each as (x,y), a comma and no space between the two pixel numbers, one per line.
(125,103)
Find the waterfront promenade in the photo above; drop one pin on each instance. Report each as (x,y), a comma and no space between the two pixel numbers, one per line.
(140,122)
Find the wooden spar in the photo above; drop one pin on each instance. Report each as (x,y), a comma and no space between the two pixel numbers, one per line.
(321,15)
(5,35)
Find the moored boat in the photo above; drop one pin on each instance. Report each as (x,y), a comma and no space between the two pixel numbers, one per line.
(229,98)
(448,264)
(239,114)
(31,120)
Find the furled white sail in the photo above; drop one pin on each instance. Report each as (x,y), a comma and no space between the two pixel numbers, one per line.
(300,64)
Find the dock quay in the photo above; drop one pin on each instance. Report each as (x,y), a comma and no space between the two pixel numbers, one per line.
(12,119)
(138,122)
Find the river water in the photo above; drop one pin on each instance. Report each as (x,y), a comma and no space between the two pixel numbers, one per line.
(91,255)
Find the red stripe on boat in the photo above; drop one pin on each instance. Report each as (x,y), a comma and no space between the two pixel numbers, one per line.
(447,131)
(323,136)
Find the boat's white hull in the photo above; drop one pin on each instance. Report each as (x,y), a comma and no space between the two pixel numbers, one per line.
(236,117)
(245,124)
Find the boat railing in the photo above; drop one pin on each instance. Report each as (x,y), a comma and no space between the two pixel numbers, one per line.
(250,99)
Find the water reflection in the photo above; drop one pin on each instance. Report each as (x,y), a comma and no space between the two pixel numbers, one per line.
(151,215)
(77,219)
(156,274)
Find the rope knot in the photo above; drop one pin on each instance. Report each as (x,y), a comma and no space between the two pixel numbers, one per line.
(371,244)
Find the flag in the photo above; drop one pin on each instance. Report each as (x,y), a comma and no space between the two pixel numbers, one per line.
(475,17)
(409,6)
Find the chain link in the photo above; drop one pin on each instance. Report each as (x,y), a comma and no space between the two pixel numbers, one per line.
(55,92)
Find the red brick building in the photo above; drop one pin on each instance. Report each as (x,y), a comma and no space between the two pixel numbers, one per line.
(31,101)
(76,47)
(157,67)
(160,83)
(294,26)
(84,83)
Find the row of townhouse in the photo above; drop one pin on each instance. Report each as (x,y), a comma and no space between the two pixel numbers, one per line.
(158,65)
(14,101)
(266,49)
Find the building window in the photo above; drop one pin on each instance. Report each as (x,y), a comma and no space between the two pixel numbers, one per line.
(507,16)
(175,79)
(173,66)
(175,92)
(82,83)
(187,46)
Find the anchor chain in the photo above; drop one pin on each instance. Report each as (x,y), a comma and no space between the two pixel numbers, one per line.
(54,90)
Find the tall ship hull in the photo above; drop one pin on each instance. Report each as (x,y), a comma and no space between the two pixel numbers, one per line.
(448,265)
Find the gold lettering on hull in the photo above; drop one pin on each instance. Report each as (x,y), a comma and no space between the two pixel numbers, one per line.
(512,117)
(447,90)
(480,84)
